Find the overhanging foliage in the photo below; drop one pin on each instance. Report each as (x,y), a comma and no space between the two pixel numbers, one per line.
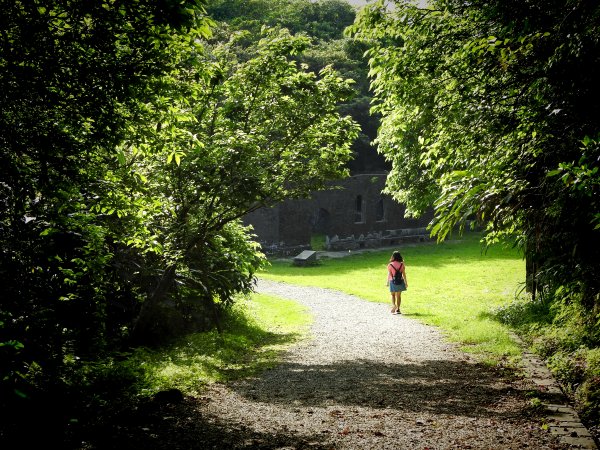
(129,149)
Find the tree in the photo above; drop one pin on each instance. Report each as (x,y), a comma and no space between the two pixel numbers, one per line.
(323,19)
(129,148)
(73,76)
(490,112)
(324,23)
(346,56)
(257,131)
(483,106)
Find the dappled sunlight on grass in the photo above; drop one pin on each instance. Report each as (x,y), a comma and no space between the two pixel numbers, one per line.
(255,332)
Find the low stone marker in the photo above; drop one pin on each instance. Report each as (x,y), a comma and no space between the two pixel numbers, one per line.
(306,258)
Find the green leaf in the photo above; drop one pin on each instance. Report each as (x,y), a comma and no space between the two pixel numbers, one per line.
(20,393)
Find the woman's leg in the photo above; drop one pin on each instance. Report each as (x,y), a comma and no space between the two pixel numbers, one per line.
(398,300)
(393,294)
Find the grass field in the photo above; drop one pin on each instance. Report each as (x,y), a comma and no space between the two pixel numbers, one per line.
(453,286)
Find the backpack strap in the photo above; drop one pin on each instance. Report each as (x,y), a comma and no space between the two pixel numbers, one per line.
(397,270)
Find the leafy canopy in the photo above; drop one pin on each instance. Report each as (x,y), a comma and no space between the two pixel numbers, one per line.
(490,113)
(130,146)
(484,107)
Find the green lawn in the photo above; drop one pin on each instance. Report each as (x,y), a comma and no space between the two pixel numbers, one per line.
(453,285)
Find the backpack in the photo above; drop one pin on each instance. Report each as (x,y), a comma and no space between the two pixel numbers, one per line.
(397,276)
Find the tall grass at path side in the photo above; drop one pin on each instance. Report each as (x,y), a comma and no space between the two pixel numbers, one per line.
(452,285)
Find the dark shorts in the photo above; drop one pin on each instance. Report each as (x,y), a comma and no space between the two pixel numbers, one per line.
(397,287)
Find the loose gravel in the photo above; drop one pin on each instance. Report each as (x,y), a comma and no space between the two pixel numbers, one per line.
(367,379)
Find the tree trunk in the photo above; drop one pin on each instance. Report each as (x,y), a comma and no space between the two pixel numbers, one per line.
(532,264)
(149,319)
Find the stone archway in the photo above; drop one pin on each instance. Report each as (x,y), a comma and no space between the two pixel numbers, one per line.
(321,222)
(320,226)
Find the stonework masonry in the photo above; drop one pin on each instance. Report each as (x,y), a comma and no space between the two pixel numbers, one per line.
(353,215)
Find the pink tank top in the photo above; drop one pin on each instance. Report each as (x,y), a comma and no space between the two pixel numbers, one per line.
(397,266)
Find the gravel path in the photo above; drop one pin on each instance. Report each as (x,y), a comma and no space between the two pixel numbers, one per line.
(368,379)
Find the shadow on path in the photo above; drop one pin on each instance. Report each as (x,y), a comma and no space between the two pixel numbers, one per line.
(437,387)
(181,426)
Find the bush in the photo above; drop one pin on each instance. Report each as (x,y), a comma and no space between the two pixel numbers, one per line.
(523,311)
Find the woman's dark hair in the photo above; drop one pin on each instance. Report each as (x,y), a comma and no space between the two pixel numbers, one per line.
(396,256)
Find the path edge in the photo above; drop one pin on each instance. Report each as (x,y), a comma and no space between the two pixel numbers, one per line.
(563,419)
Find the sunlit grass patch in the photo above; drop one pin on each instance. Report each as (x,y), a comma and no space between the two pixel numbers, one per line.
(255,332)
(454,286)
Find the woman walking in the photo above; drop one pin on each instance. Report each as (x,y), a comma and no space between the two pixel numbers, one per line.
(396,280)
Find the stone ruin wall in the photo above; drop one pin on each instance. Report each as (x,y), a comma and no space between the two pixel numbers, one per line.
(387,238)
(374,221)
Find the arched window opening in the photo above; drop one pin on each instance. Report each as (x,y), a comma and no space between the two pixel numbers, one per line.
(320,221)
(359,216)
(380,211)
